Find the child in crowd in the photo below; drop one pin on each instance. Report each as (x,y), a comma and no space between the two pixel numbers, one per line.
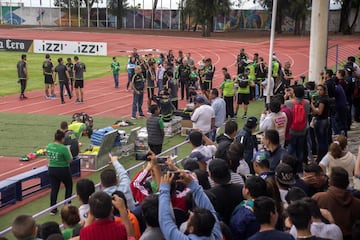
(70,218)
(84,189)
(24,227)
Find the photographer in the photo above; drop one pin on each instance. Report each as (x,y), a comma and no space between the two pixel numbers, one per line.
(203,222)
(155,129)
(141,187)
(165,105)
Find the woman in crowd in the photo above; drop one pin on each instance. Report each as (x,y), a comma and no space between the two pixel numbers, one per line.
(321,111)
(59,168)
(339,156)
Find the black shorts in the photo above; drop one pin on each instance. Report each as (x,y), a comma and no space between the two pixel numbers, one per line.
(48,79)
(79,83)
(206,86)
(150,92)
(243,98)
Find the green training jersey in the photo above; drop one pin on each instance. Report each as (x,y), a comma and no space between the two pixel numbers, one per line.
(251,67)
(115,67)
(227,88)
(59,155)
(275,68)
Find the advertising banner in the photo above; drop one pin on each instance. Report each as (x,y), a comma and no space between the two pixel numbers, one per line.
(70,47)
(15,45)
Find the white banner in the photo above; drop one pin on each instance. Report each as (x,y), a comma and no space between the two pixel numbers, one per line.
(70,47)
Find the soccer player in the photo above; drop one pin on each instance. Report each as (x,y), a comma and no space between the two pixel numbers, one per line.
(48,69)
(79,69)
(22,75)
(150,82)
(137,85)
(64,78)
(70,69)
(115,68)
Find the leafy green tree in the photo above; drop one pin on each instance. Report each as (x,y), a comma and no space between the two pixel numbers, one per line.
(346,6)
(295,9)
(204,11)
(119,9)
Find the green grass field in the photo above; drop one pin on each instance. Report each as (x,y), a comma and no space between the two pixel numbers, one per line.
(96,66)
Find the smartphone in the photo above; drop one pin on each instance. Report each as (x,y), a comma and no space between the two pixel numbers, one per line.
(161,160)
(142,157)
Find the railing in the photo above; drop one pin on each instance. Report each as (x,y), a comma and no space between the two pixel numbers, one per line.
(173,150)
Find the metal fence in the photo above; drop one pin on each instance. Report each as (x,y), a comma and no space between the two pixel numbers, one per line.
(173,151)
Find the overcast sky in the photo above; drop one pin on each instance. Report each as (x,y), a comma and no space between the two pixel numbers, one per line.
(166,4)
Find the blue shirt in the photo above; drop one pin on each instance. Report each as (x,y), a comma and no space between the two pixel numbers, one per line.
(131,67)
(167,224)
(219,106)
(123,186)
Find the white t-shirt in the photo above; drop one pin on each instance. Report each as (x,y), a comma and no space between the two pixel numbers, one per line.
(83,211)
(277,121)
(323,230)
(201,118)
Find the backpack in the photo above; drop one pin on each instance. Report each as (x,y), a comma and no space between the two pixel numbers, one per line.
(299,116)
(243,83)
(84,118)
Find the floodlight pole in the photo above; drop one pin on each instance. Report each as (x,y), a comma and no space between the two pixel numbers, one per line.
(318,39)
(271,49)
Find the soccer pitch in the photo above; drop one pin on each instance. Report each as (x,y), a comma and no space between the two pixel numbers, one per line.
(96,66)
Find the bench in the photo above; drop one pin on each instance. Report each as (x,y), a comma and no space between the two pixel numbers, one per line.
(40,172)
(7,192)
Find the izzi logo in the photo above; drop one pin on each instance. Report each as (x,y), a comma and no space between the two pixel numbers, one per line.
(17,45)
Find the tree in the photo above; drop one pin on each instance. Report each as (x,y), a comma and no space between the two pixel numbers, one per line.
(204,12)
(153,14)
(346,7)
(295,9)
(119,9)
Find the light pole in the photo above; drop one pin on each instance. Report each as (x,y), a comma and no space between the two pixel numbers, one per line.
(271,48)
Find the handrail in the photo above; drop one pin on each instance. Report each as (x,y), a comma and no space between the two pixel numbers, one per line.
(37,215)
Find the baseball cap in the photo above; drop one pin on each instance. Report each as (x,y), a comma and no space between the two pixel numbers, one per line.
(285,174)
(251,122)
(199,99)
(219,171)
(261,155)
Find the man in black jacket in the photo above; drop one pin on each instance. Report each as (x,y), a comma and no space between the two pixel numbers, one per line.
(225,139)
(246,137)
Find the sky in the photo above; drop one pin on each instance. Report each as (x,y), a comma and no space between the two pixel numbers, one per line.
(166,4)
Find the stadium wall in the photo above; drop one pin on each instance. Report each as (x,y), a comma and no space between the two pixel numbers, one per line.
(141,19)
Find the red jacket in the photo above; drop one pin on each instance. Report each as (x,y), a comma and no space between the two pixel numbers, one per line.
(104,229)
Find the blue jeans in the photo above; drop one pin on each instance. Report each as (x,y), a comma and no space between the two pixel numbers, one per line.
(322,138)
(296,149)
(116,80)
(339,121)
(160,85)
(137,104)
(129,80)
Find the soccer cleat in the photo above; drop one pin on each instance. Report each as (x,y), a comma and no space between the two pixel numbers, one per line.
(77,101)
(244,117)
(133,118)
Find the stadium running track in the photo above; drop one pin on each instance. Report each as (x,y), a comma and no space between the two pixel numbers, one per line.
(102,99)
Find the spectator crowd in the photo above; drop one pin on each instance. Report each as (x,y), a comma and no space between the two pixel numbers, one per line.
(287,174)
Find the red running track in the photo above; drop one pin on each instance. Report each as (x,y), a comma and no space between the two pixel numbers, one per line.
(101,99)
